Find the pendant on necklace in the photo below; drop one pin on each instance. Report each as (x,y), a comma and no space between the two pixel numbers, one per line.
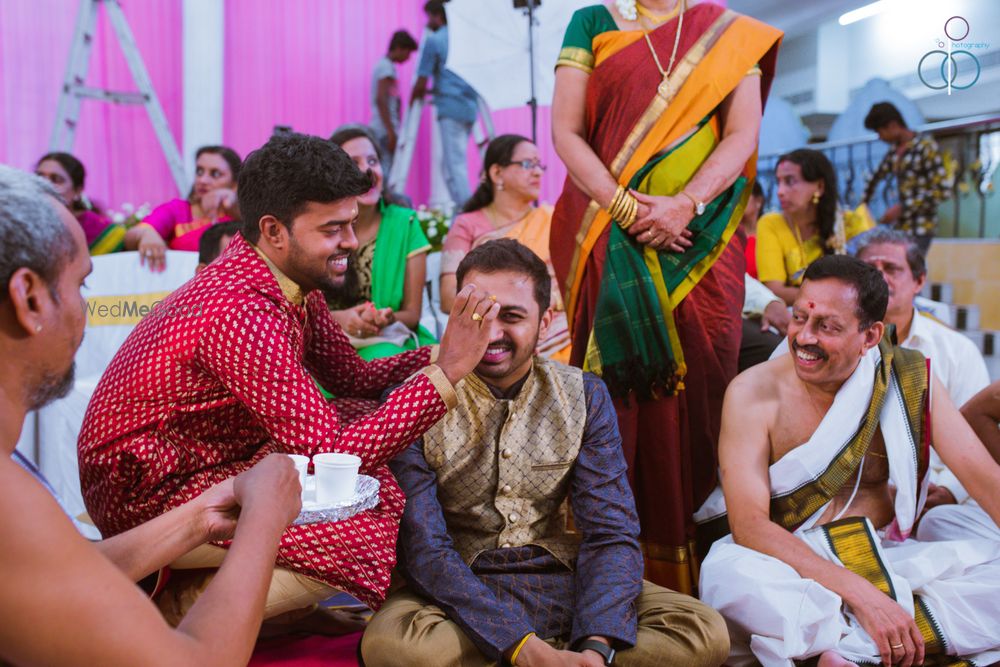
(664,88)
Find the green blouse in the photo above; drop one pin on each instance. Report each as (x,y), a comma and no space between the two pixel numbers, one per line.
(577,48)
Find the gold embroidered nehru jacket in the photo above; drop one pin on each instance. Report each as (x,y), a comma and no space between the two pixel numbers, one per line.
(503,466)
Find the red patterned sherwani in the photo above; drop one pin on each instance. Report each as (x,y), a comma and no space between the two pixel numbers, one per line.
(219,375)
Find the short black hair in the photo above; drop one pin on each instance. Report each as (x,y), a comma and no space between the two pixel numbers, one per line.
(868,283)
(435,7)
(401,39)
(881,114)
(509,255)
(208,244)
(288,172)
(757,190)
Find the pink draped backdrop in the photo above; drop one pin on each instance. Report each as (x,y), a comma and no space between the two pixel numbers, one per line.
(306,64)
(313,72)
(116,143)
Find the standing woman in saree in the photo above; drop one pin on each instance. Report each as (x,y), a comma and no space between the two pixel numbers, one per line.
(656,114)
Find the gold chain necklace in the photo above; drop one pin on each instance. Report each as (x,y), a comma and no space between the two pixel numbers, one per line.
(664,88)
(657,18)
(491,214)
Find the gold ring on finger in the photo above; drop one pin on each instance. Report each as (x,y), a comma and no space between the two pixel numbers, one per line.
(476,317)
(895,646)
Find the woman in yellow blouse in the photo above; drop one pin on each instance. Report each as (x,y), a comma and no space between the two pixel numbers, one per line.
(809,226)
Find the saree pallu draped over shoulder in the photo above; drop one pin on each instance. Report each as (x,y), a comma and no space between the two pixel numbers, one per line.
(662,329)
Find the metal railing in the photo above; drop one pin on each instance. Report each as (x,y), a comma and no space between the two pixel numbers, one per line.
(971,150)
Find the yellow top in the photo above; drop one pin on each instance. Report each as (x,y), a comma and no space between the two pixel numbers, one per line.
(781,257)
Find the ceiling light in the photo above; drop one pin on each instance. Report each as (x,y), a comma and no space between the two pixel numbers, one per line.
(862,13)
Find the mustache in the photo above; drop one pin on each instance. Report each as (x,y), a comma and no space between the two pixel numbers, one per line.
(505,341)
(810,349)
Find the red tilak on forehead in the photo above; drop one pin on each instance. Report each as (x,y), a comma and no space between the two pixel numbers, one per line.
(811,305)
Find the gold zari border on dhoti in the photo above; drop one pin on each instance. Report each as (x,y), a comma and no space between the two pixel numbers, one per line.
(852,541)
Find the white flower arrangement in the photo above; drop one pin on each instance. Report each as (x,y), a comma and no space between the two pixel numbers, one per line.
(627,9)
(129,215)
(435,223)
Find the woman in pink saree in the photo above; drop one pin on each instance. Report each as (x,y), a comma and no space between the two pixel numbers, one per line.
(179,223)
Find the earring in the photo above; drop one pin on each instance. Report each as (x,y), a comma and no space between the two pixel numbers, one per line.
(38,328)
(499,185)
(816,197)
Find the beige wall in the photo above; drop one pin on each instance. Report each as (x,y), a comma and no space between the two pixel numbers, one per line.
(973,269)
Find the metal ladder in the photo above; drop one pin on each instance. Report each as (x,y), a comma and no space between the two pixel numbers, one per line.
(75,90)
(483,132)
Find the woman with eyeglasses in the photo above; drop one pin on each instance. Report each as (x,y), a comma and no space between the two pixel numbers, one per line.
(380,304)
(503,206)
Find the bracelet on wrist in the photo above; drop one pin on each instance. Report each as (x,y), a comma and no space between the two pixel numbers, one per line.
(520,645)
(615,208)
(630,216)
(624,208)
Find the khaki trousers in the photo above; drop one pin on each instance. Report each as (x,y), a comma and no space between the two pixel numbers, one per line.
(191,573)
(674,629)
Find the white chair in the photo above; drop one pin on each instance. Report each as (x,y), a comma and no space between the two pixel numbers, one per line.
(119,293)
(431,316)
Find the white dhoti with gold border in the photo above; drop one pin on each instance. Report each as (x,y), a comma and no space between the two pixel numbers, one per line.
(777,617)
(950,587)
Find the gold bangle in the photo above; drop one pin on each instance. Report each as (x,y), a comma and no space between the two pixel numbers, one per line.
(615,207)
(626,219)
(625,210)
(621,205)
(622,217)
(634,213)
(614,199)
(520,645)
(629,218)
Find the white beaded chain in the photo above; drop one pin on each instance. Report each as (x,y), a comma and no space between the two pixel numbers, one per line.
(627,9)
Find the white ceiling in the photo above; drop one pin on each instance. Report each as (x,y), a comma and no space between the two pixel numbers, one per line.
(795,17)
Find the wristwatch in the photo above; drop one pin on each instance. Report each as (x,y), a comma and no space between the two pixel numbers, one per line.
(699,206)
(606,651)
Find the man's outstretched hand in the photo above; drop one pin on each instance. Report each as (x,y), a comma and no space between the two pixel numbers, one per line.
(467,333)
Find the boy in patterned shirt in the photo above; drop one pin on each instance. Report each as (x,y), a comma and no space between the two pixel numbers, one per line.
(916,163)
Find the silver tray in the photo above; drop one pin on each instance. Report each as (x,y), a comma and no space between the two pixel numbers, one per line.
(365,498)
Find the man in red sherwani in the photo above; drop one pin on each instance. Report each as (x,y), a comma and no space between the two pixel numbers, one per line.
(221,373)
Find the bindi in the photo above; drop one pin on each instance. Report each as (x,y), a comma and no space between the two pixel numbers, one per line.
(811,304)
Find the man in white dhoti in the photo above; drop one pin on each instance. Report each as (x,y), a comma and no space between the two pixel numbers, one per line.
(824,456)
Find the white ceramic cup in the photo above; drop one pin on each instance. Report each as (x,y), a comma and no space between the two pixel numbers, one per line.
(302,465)
(336,477)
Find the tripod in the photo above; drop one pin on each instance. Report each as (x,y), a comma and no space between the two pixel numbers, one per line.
(529,7)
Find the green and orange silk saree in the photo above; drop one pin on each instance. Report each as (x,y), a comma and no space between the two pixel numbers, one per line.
(662,329)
